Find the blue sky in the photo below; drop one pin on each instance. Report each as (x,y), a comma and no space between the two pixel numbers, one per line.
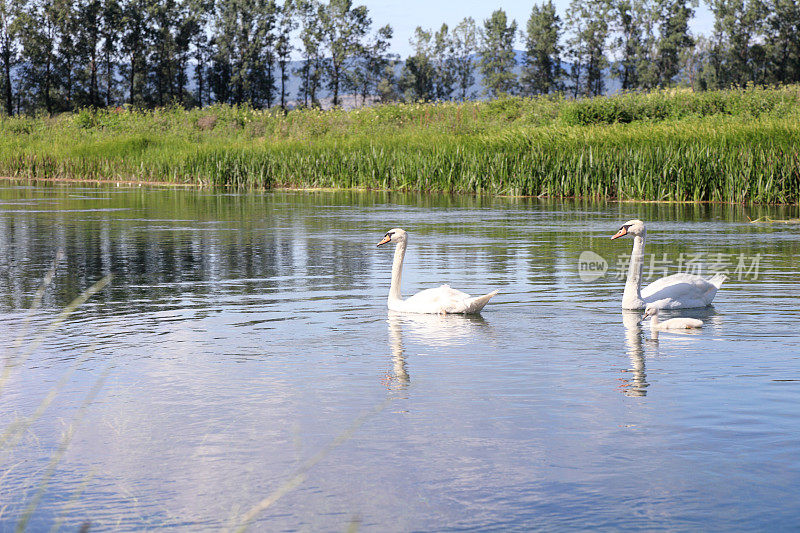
(405,15)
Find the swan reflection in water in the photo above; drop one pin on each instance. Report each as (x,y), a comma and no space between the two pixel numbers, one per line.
(636,345)
(636,386)
(399,377)
(429,330)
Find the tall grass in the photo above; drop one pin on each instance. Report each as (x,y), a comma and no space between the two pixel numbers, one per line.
(732,146)
(18,354)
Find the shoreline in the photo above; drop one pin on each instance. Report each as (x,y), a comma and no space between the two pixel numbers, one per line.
(727,147)
(167,184)
(130,183)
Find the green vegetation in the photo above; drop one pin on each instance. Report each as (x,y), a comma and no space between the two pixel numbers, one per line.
(731,146)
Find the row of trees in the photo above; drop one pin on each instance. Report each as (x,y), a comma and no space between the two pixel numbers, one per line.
(62,54)
(642,44)
(58,55)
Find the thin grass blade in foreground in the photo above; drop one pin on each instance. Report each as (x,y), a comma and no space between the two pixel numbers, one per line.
(70,504)
(12,434)
(302,472)
(62,449)
(37,299)
(13,360)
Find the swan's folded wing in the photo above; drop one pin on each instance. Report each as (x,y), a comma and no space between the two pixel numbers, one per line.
(680,287)
(437,300)
(449,293)
(445,299)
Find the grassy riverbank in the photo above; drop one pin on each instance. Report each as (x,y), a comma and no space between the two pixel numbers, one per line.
(732,146)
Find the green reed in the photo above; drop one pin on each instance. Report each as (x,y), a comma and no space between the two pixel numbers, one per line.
(730,146)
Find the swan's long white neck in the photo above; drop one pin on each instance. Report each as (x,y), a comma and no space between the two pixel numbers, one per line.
(632,297)
(397,270)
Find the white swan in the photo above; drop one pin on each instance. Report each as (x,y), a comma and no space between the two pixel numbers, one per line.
(441,300)
(672,323)
(671,292)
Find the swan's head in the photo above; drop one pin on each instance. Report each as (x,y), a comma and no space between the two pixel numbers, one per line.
(393,235)
(650,311)
(631,227)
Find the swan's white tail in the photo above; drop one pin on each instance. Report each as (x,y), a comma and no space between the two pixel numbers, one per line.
(717,280)
(474,305)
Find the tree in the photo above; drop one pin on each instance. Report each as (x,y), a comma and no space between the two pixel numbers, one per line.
(223,46)
(343,28)
(9,11)
(430,74)
(387,88)
(738,53)
(310,71)
(782,28)
(626,21)
(371,67)
(283,43)
(195,28)
(575,47)
(497,60)
(232,51)
(588,21)
(465,44)
(673,37)
(133,45)
(244,55)
(596,36)
(265,54)
(89,46)
(647,74)
(38,36)
(418,74)
(164,22)
(541,67)
(444,64)
(111,20)
(694,62)
(68,53)
(186,25)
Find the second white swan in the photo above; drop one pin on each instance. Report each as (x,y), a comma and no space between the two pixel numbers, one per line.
(441,300)
(670,292)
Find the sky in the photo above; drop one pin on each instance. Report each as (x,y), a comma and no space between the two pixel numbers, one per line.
(405,15)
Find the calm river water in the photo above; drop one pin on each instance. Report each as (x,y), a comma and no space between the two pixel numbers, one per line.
(242,369)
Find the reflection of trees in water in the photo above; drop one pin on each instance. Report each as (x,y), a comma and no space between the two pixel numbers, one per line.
(162,256)
(289,241)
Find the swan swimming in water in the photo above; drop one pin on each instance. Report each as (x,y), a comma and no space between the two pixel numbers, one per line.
(670,292)
(441,300)
(672,323)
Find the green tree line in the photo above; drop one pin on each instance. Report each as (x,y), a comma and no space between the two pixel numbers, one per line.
(60,55)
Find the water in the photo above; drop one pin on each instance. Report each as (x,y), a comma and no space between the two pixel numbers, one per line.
(243,355)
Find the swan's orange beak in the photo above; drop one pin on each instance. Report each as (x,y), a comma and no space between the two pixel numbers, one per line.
(622,232)
(386,239)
